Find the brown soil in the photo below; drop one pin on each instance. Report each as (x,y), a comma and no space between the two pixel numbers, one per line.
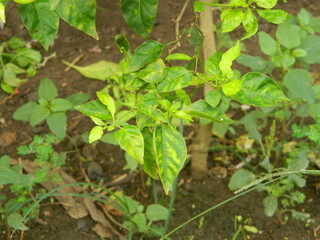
(193,197)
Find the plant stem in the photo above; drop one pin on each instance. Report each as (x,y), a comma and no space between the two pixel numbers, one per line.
(154,189)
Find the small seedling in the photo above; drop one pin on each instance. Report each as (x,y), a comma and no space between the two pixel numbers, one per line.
(49,108)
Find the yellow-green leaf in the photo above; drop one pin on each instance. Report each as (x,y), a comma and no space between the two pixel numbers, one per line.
(232,87)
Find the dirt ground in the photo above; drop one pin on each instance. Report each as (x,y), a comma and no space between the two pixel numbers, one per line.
(193,197)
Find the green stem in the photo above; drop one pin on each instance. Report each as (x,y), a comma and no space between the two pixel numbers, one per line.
(236,234)
(154,189)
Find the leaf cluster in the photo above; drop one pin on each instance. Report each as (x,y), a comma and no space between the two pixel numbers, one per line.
(50,108)
(16,59)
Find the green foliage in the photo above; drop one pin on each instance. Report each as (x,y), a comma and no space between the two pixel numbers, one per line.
(16,60)
(49,108)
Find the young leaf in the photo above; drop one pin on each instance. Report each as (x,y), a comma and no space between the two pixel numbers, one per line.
(288,35)
(276,16)
(144,54)
(95,134)
(201,108)
(250,24)
(266,3)
(154,72)
(212,64)
(312,48)
(299,82)
(267,44)
(171,153)
(177,78)
(2,13)
(96,109)
(78,13)
(270,204)
(231,19)
(107,100)
(213,98)
(227,58)
(122,43)
(178,56)
(255,63)
(147,105)
(131,140)
(47,90)
(25,56)
(57,123)
(60,104)
(232,87)
(14,220)
(24,112)
(149,159)
(156,212)
(78,98)
(39,114)
(101,70)
(259,90)
(240,178)
(140,15)
(41,22)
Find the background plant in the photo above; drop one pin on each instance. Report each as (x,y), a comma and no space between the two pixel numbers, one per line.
(49,108)
(16,59)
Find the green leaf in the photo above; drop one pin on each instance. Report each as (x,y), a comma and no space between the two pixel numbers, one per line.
(267,44)
(131,163)
(227,58)
(14,68)
(156,212)
(14,220)
(171,153)
(122,43)
(2,13)
(57,123)
(147,105)
(25,56)
(177,78)
(101,70)
(5,87)
(5,161)
(270,204)
(78,98)
(212,64)
(41,22)
(304,17)
(259,90)
(140,15)
(299,82)
(146,53)
(276,16)
(255,63)
(288,35)
(39,114)
(149,158)
(178,56)
(109,138)
(198,7)
(47,89)
(80,14)
(231,19)
(250,24)
(96,109)
(132,82)
(287,60)
(314,110)
(240,178)
(95,134)
(107,100)
(60,104)
(300,161)
(153,72)
(24,112)
(201,108)
(266,3)
(232,87)
(131,140)
(254,121)
(213,98)
(311,46)
(9,176)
